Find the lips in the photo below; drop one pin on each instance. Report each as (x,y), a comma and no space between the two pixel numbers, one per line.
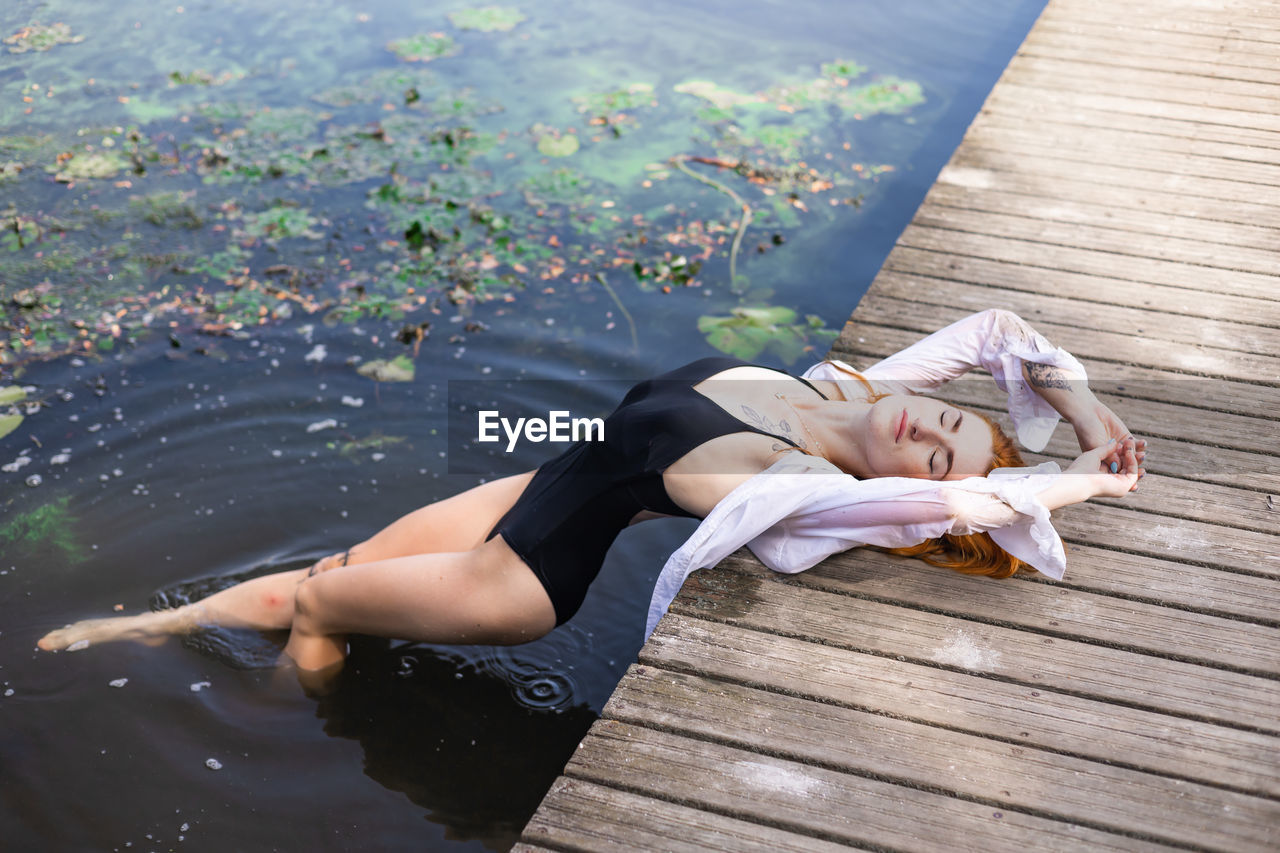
(902,427)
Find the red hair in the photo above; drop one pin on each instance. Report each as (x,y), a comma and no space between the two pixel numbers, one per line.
(973,553)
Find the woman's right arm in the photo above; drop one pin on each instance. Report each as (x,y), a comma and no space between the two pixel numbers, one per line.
(1090,475)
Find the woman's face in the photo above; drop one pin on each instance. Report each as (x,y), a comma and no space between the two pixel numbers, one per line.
(910,436)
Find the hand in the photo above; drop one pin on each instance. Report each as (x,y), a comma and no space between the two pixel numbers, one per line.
(1097,424)
(1126,457)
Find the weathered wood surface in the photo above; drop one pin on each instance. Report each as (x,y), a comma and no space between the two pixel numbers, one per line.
(1121,190)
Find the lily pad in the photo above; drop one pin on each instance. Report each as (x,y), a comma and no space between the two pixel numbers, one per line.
(398,369)
(8,423)
(12,394)
(718,95)
(558,146)
(90,164)
(39,37)
(424,47)
(487,19)
(887,95)
(747,332)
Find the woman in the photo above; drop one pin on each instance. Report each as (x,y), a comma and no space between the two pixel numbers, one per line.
(765,462)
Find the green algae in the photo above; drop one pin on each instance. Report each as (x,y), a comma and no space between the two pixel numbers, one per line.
(424,47)
(487,18)
(44,530)
(40,37)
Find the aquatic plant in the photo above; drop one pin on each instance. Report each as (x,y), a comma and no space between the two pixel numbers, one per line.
(398,369)
(432,198)
(749,331)
(487,18)
(44,529)
(424,47)
(40,37)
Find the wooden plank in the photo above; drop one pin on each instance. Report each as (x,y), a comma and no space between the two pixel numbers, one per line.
(1046,609)
(581,815)
(1225,27)
(1135,103)
(1030,716)
(1115,47)
(1090,262)
(1230,178)
(1003,276)
(1203,62)
(1213,37)
(1247,111)
(949,192)
(1012,777)
(815,800)
(1096,672)
(1174,86)
(1099,345)
(1066,108)
(1169,538)
(1253,163)
(1052,164)
(1157,581)
(1101,315)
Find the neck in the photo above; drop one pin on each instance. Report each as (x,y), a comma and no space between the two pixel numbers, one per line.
(839,426)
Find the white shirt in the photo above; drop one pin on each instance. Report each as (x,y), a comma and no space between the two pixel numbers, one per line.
(802,509)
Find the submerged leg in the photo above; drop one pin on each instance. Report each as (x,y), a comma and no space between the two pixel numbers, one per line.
(263,604)
(452,525)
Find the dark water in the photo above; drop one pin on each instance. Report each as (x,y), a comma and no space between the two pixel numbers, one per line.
(167,472)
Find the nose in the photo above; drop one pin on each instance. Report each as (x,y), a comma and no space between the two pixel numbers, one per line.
(921,432)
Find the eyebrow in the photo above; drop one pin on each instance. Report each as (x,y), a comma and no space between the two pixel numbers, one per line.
(951,457)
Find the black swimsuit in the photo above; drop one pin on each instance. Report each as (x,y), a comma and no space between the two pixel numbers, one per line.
(576,504)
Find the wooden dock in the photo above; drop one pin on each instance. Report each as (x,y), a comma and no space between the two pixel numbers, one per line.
(1120,189)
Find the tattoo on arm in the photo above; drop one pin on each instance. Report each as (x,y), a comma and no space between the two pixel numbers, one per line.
(1047,376)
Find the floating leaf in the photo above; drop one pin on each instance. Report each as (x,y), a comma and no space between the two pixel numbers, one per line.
(8,423)
(39,37)
(747,332)
(558,146)
(12,394)
(423,47)
(718,95)
(398,369)
(90,164)
(487,18)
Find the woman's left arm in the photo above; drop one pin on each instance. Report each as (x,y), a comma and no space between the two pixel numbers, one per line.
(1093,421)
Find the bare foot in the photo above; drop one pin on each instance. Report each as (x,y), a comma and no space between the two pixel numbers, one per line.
(150,628)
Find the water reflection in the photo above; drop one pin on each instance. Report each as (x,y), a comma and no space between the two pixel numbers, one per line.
(447,735)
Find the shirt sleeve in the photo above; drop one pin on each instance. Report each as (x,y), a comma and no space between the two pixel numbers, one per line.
(996,340)
(802,510)
(842,512)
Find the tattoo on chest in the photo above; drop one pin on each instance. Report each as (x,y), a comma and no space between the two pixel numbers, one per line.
(1047,376)
(761,421)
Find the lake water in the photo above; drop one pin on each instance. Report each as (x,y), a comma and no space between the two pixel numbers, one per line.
(215,214)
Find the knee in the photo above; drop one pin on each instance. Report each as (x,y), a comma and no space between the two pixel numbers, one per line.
(307,603)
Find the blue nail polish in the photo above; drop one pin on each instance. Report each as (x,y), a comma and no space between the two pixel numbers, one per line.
(1115,466)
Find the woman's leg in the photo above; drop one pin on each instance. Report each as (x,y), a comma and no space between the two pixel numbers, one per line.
(455,524)
(486,595)
(263,604)
(451,525)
